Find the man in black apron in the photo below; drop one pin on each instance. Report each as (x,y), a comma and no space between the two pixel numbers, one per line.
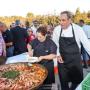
(68,52)
(71,69)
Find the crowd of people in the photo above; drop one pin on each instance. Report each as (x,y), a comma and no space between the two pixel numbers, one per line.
(16,37)
(66,42)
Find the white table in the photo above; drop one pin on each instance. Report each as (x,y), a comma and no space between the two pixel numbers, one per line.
(18,58)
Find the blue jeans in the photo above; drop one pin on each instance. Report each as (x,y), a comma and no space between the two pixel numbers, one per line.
(10,51)
(85,55)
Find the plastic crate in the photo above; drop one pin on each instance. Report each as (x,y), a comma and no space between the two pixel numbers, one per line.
(86,83)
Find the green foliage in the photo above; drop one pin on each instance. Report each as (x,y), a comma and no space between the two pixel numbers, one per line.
(46,19)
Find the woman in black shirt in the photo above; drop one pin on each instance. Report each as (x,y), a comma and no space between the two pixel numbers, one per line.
(45,49)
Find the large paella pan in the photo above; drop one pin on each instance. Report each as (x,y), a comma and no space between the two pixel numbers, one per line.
(21,76)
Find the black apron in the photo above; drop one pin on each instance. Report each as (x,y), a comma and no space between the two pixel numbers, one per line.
(41,50)
(71,70)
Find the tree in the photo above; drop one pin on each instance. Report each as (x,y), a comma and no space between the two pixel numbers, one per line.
(77,15)
(30,15)
(88,14)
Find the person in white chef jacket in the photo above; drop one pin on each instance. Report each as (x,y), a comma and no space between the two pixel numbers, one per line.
(68,38)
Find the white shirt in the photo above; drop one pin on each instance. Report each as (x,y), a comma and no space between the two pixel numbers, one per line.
(79,36)
(34,29)
(2,44)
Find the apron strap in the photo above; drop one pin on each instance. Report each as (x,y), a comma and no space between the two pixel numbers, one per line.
(73,31)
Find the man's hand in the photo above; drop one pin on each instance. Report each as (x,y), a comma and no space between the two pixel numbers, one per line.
(59,59)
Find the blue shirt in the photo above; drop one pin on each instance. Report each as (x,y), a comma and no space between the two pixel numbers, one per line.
(86,29)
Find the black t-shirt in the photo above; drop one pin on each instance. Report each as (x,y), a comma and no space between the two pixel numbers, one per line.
(8,36)
(43,48)
(19,38)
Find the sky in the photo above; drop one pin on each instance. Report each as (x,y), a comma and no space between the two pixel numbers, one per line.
(41,7)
